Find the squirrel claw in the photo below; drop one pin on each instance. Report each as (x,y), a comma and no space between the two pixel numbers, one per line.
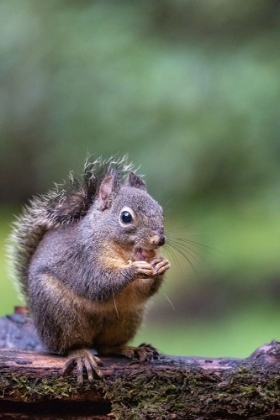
(144,352)
(150,352)
(83,358)
(160,265)
(143,268)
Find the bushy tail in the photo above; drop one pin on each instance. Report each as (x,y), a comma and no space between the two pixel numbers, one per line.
(65,204)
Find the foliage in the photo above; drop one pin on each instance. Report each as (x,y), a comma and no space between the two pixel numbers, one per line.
(190,90)
(185,87)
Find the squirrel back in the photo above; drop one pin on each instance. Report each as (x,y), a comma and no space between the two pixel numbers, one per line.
(63,205)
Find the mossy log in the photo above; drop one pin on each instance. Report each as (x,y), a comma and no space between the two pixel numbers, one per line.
(32,385)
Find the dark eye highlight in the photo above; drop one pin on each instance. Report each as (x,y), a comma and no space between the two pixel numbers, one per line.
(126,217)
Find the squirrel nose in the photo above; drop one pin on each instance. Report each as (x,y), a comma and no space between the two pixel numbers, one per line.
(162,240)
(158,240)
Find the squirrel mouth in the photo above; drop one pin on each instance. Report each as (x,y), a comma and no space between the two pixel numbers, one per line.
(142,254)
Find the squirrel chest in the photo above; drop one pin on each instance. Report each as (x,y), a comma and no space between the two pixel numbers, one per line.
(69,267)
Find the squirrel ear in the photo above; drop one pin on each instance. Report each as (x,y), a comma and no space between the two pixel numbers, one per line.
(108,185)
(136,182)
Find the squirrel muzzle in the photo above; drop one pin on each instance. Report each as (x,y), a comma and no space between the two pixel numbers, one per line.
(151,251)
(158,240)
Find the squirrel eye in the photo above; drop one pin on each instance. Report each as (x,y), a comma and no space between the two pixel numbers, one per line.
(126,217)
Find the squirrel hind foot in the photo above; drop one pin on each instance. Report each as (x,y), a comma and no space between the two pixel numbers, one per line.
(83,359)
(143,353)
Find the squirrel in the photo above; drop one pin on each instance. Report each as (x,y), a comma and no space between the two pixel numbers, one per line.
(87,259)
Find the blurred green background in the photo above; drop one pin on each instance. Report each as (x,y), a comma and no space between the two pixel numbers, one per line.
(190,90)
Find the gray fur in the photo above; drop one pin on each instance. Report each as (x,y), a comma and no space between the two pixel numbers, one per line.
(80,266)
(65,204)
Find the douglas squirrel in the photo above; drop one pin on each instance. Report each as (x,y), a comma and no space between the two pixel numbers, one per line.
(87,260)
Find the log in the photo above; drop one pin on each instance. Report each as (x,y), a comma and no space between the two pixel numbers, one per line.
(32,385)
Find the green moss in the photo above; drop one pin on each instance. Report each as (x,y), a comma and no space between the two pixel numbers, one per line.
(31,389)
(180,392)
(188,394)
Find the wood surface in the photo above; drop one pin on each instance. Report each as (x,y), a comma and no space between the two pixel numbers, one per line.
(32,385)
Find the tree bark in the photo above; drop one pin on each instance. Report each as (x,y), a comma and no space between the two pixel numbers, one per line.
(32,385)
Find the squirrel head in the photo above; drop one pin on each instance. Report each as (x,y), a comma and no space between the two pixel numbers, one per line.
(129,215)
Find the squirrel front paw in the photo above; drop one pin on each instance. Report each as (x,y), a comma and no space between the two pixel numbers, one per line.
(160,266)
(83,359)
(142,268)
(157,267)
